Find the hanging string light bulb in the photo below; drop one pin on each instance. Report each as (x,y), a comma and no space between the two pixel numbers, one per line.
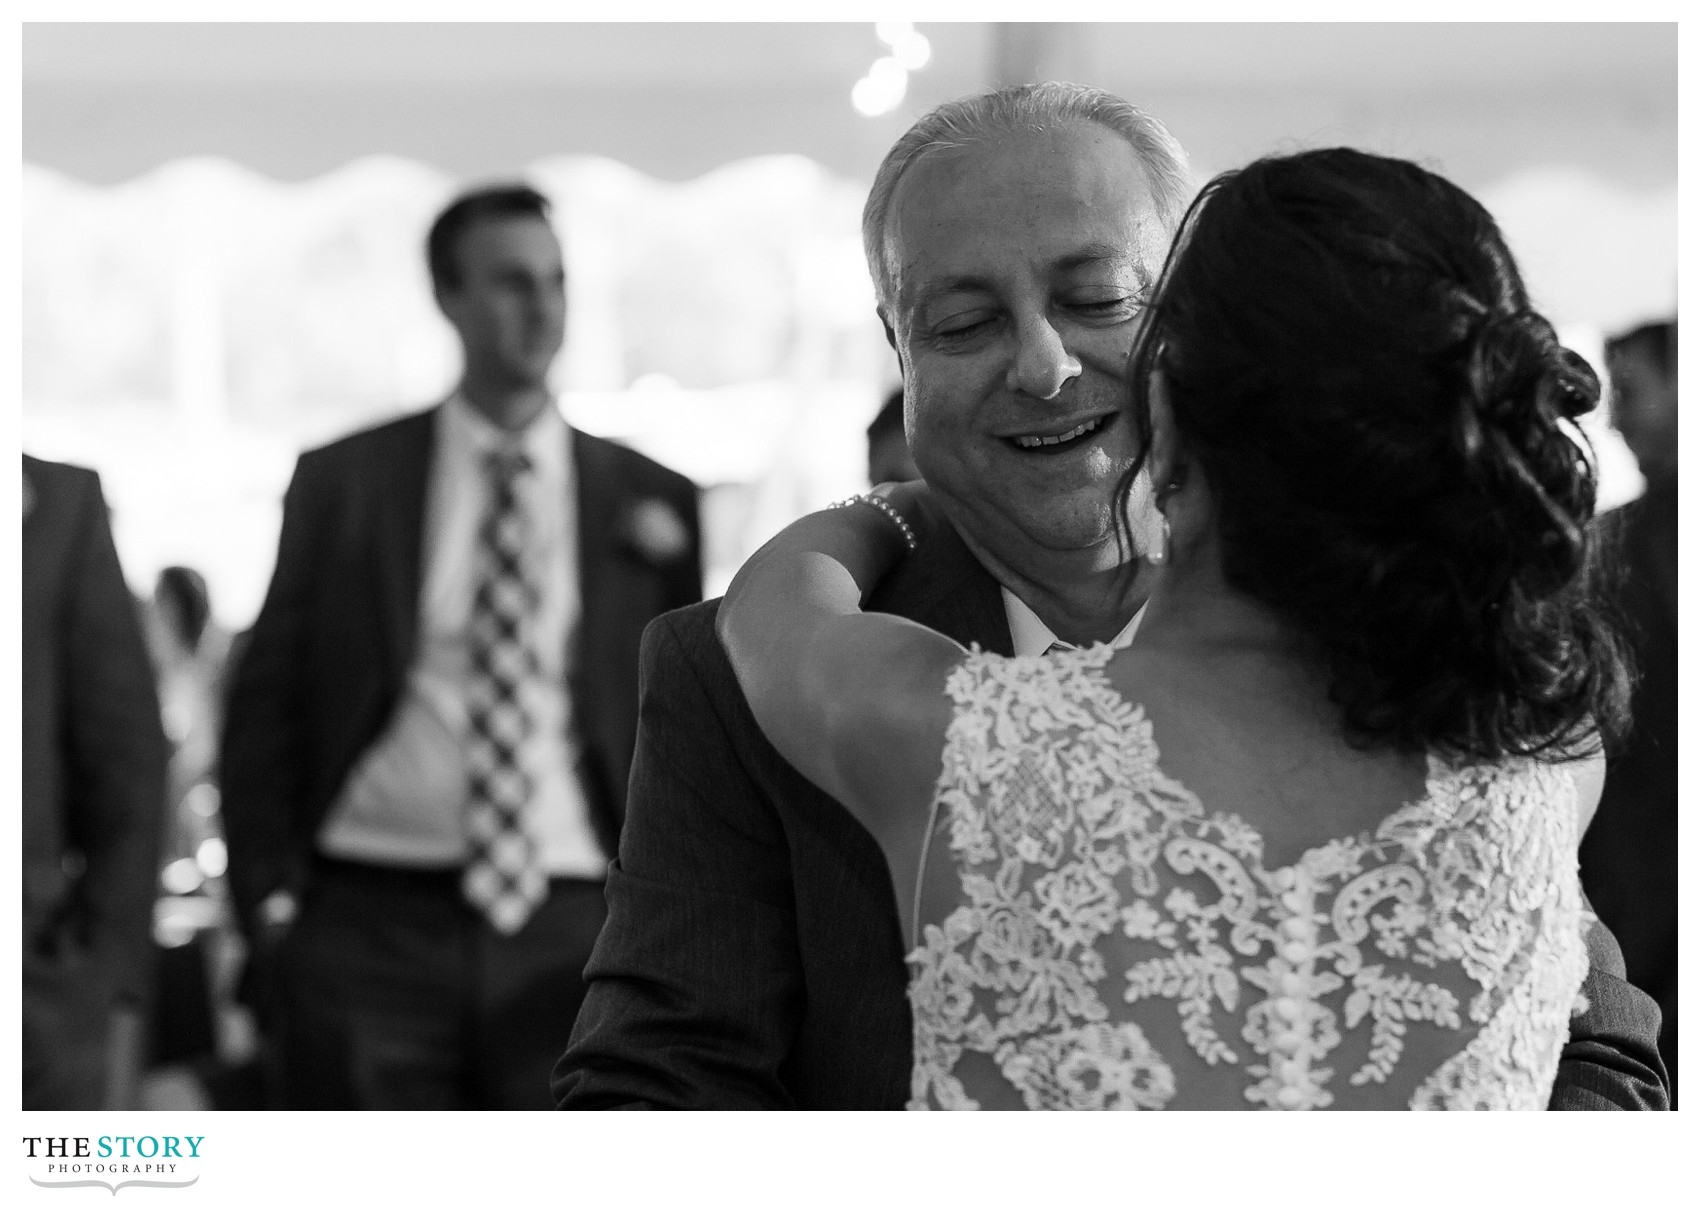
(892,32)
(909,48)
(883,88)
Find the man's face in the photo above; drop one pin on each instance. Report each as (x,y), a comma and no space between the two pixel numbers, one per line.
(510,303)
(1644,411)
(1020,268)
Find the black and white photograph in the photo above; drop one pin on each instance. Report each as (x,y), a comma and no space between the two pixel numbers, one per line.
(839,565)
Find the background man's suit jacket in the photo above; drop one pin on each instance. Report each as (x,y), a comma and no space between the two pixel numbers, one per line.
(329,655)
(752,956)
(1629,866)
(94,759)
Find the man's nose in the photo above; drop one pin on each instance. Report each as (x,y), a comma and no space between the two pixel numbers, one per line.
(1042,365)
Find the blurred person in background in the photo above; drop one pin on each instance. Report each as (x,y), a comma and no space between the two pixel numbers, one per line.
(94,763)
(190,650)
(889,460)
(202,1043)
(430,729)
(1629,855)
(753,955)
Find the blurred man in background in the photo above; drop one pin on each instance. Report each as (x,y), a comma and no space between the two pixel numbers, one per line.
(1642,366)
(888,446)
(1629,854)
(94,761)
(430,730)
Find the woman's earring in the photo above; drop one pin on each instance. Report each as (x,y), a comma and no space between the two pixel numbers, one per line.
(1158,551)
(1162,540)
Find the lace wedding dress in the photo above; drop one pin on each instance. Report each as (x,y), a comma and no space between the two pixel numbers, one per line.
(1115,944)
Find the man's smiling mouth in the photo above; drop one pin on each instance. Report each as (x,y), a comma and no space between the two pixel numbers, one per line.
(1049,442)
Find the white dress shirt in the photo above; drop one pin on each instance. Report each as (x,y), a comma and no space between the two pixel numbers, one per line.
(405,800)
(1027,631)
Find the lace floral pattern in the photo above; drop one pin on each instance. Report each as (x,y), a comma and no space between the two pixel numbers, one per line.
(1094,889)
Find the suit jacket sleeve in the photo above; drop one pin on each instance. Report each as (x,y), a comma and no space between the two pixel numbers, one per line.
(694,993)
(262,763)
(1612,1060)
(116,759)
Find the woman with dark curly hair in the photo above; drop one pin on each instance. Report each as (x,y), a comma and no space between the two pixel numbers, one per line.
(1310,840)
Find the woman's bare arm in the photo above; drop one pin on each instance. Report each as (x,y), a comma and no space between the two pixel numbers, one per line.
(854,701)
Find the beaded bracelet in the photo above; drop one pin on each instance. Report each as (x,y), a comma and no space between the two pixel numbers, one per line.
(885,507)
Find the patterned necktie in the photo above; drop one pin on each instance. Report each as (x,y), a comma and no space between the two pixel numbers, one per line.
(503,879)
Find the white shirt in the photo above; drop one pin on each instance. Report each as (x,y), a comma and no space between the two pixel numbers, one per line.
(405,800)
(1027,631)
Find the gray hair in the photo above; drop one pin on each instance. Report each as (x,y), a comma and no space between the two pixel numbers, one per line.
(1030,107)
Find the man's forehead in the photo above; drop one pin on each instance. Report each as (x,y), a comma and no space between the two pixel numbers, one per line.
(1081,199)
(930,261)
(511,238)
(515,228)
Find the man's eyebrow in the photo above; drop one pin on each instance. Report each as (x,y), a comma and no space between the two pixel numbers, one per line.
(960,284)
(1088,256)
(1099,254)
(916,298)
(1091,256)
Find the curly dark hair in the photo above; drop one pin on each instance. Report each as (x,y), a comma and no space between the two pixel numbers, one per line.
(1383,423)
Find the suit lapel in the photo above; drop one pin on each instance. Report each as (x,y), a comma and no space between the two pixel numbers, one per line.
(604,574)
(599,504)
(401,480)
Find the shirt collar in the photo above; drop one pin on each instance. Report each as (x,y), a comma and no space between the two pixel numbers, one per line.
(1030,636)
(544,439)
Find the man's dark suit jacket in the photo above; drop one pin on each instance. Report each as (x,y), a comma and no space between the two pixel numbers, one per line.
(1629,854)
(752,956)
(330,652)
(94,760)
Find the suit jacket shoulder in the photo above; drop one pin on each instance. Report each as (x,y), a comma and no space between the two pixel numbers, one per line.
(637,470)
(55,494)
(64,473)
(375,438)
(398,448)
